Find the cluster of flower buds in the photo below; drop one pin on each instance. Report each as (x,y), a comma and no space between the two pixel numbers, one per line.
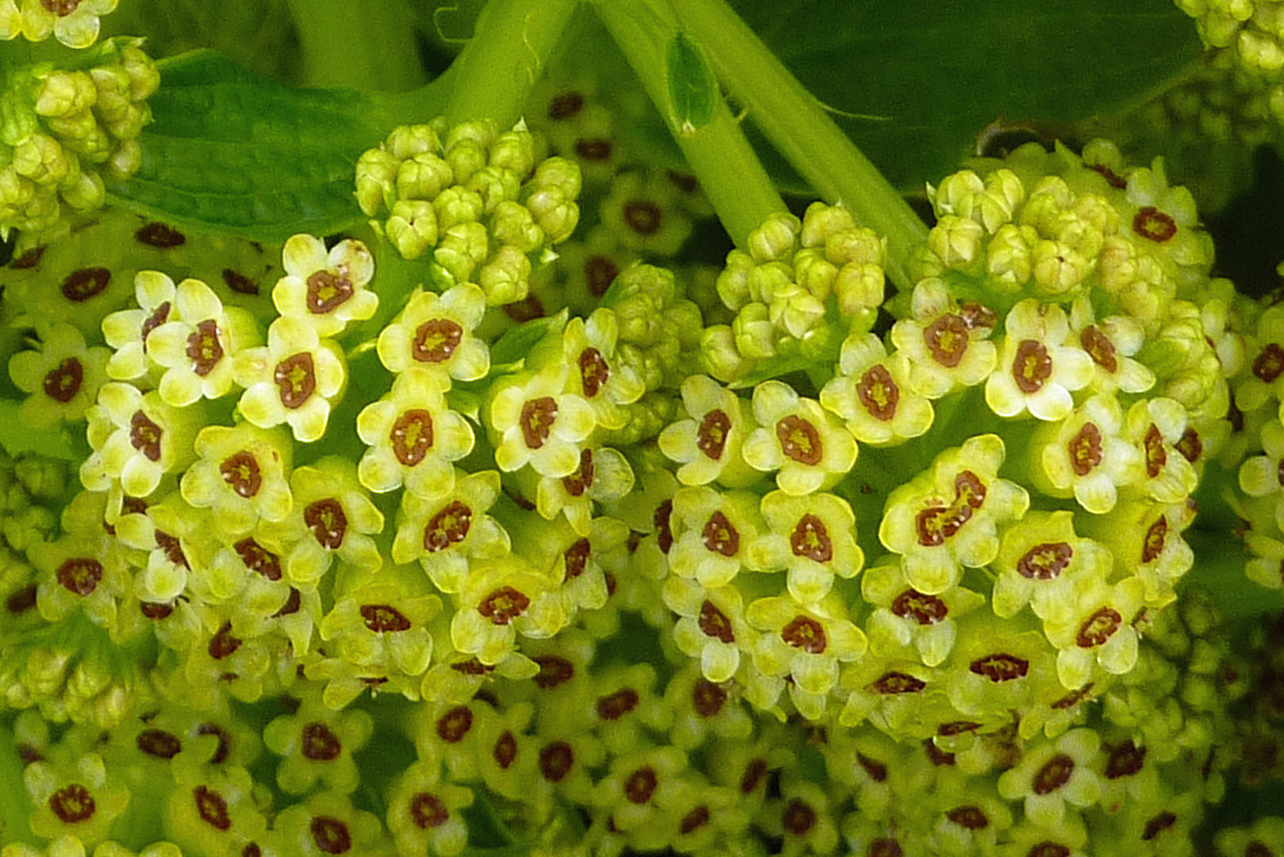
(69,128)
(475,198)
(801,286)
(1252,32)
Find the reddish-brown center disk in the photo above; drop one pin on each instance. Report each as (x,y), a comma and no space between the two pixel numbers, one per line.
(1098,627)
(810,539)
(720,536)
(537,418)
(1048,848)
(1085,449)
(145,436)
(885,847)
(804,632)
(320,743)
(1032,366)
(505,750)
(241,472)
(204,348)
(327,522)
(436,340)
(296,379)
(593,149)
(556,761)
(1190,446)
(576,559)
(211,807)
(923,609)
(1150,222)
(1158,824)
(643,216)
(153,321)
(711,436)
(327,291)
(799,817)
(80,286)
(1125,760)
(1045,561)
(455,724)
(63,382)
(878,393)
(258,558)
(694,820)
(553,670)
(754,775)
(1156,455)
(969,816)
(72,803)
(158,743)
(1000,667)
(384,617)
(503,605)
(223,644)
(1153,544)
(330,835)
(1099,348)
(411,436)
(80,575)
(240,283)
(947,339)
(427,811)
(613,706)
(663,533)
(1054,774)
(594,372)
(154,234)
(640,785)
(799,440)
(582,478)
(707,698)
(447,527)
(565,105)
(1269,363)
(599,273)
(891,683)
(714,623)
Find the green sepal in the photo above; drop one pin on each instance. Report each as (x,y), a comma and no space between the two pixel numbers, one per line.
(232,152)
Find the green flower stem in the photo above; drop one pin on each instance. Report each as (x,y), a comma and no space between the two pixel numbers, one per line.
(367,46)
(729,171)
(15,806)
(797,124)
(511,45)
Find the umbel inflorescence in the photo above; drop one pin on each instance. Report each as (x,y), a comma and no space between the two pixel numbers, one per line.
(346,561)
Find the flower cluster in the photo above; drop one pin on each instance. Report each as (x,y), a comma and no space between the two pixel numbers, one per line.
(633,576)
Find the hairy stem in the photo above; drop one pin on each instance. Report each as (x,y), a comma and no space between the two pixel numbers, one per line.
(729,171)
(510,48)
(797,124)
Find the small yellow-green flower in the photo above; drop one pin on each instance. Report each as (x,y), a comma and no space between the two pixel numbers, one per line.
(290,380)
(242,474)
(414,438)
(136,438)
(326,290)
(75,24)
(447,532)
(707,444)
(872,392)
(435,333)
(537,422)
(797,438)
(1040,364)
(61,379)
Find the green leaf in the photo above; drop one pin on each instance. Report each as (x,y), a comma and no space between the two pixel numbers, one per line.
(693,91)
(17,437)
(914,82)
(232,152)
(518,342)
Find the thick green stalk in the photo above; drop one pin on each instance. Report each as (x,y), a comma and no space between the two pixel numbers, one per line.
(367,46)
(797,124)
(729,171)
(512,43)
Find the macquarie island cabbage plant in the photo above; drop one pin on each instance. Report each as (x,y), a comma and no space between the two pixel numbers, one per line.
(535,427)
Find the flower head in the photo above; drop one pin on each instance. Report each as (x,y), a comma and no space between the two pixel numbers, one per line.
(796,437)
(327,290)
(1040,364)
(290,380)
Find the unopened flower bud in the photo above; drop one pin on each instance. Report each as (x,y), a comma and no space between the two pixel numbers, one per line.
(754,332)
(407,141)
(462,248)
(412,227)
(456,205)
(66,93)
(376,179)
(422,176)
(506,276)
(776,239)
(719,355)
(513,225)
(555,212)
(514,151)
